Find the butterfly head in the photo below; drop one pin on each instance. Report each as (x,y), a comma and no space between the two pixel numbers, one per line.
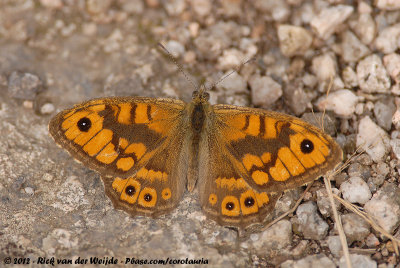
(200,95)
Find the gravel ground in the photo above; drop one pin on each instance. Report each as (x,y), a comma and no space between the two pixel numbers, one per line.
(55,53)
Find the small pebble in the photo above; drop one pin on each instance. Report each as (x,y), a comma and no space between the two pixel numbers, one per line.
(264,90)
(230,58)
(349,77)
(175,48)
(277,237)
(388,4)
(324,204)
(201,7)
(343,102)
(365,28)
(24,85)
(293,40)
(387,40)
(52,3)
(233,84)
(371,241)
(352,48)
(373,139)
(316,260)
(384,207)
(309,222)
(334,244)
(47,108)
(372,75)
(324,66)
(355,190)
(357,260)
(328,20)
(29,190)
(384,111)
(174,7)
(355,228)
(98,6)
(392,65)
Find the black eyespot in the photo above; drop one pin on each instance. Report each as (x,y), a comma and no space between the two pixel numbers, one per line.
(130,190)
(147,197)
(307,146)
(230,206)
(84,124)
(249,202)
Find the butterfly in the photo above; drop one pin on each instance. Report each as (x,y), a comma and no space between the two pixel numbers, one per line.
(150,150)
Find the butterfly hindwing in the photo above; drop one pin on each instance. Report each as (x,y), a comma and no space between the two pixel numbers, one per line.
(224,195)
(157,187)
(116,136)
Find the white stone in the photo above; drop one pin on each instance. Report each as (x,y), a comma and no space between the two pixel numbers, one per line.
(343,102)
(47,108)
(323,202)
(372,139)
(29,190)
(327,21)
(317,260)
(175,48)
(334,244)
(392,65)
(324,66)
(388,4)
(358,261)
(352,49)
(201,7)
(52,3)
(384,207)
(388,39)
(355,190)
(372,75)
(349,77)
(264,90)
(396,119)
(309,222)
(277,237)
(293,40)
(365,28)
(234,83)
(355,228)
(230,58)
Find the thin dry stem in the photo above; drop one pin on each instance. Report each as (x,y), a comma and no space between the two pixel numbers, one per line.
(338,221)
(370,219)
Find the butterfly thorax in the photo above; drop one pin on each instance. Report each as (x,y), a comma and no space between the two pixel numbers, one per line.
(198,109)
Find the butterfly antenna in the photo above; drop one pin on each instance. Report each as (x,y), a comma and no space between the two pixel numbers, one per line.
(180,67)
(231,72)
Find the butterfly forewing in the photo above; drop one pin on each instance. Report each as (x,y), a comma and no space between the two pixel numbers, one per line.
(117,136)
(274,152)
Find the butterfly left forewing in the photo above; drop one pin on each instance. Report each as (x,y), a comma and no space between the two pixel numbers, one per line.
(116,136)
(274,152)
